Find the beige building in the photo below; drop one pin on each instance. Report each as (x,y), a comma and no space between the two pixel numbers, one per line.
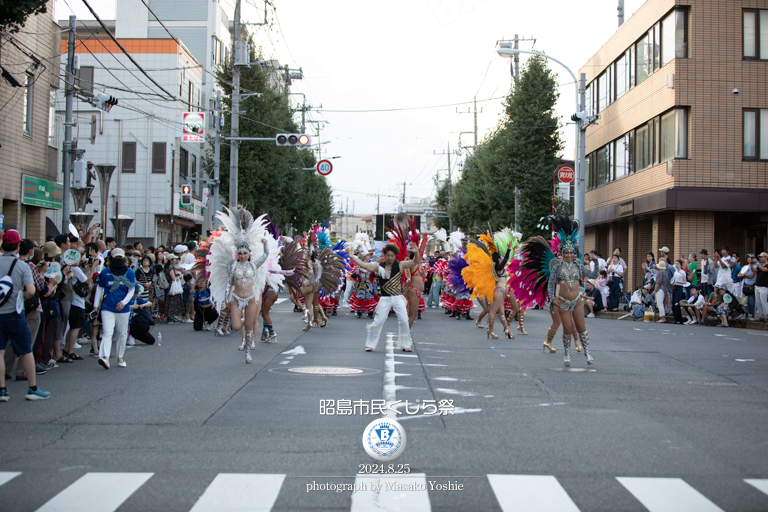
(680,155)
(28,154)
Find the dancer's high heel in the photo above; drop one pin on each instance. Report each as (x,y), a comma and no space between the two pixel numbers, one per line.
(548,342)
(508,333)
(576,341)
(567,348)
(490,334)
(479,325)
(520,327)
(248,341)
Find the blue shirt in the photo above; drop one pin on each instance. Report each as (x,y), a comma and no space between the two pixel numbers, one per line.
(186,293)
(735,274)
(111,300)
(202,297)
(138,301)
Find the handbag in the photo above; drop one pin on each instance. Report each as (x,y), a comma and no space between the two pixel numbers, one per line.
(81,289)
(143,317)
(748,289)
(162,281)
(176,288)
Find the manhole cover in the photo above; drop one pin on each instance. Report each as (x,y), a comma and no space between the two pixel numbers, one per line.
(573,370)
(339,371)
(326,370)
(706,383)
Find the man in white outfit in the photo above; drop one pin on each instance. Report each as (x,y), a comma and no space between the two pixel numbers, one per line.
(390,286)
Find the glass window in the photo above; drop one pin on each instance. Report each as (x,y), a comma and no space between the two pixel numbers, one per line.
(158,157)
(668,136)
(631,67)
(668,48)
(603,160)
(183,163)
(764,134)
(602,92)
(630,152)
(27,112)
(681,38)
(621,76)
(681,142)
(655,141)
(750,34)
(588,99)
(590,181)
(642,148)
(129,157)
(764,34)
(622,154)
(644,58)
(657,46)
(750,133)
(52,119)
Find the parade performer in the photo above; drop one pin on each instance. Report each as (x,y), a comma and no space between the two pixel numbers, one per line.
(389,280)
(463,302)
(360,245)
(486,275)
(543,275)
(277,263)
(413,278)
(324,270)
(365,295)
(505,240)
(330,302)
(238,274)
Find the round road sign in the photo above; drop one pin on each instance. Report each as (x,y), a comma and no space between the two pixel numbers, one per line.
(324,167)
(565,173)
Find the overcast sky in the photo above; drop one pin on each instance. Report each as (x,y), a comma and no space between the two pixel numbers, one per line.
(362,55)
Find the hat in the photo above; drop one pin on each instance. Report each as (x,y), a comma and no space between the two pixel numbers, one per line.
(179,249)
(763,254)
(661,264)
(703,251)
(49,248)
(648,287)
(191,246)
(592,281)
(665,249)
(11,237)
(60,239)
(719,285)
(172,256)
(117,253)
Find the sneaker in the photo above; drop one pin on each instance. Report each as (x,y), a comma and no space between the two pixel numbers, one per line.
(77,345)
(591,315)
(104,362)
(189,321)
(4,396)
(130,341)
(122,364)
(38,394)
(40,370)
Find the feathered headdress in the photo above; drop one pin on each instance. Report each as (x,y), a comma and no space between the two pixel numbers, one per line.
(323,235)
(566,230)
(529,276)
(478,274)
(506,239)
(456,265)
(292,258)
(456,240)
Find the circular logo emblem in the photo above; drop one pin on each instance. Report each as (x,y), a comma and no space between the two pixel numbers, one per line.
(384,439)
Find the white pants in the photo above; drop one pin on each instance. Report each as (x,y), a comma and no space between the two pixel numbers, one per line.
(117,322)
(660,303)
(738,289)
(347,293)
(382,311)
(761,296)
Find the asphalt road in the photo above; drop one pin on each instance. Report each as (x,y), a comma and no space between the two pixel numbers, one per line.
(668,418)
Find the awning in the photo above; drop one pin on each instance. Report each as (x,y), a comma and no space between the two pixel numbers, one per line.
(184,222)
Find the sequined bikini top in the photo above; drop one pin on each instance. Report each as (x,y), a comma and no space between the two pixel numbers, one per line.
(244,271)
(569,272)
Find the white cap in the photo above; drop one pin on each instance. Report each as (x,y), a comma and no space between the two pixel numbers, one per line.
(179,249)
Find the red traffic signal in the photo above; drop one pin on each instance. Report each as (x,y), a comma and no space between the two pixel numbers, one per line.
(186,194)
(292,139)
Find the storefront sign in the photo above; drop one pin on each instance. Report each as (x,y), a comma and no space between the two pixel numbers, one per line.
(627,208)
(193,127)
(43,193)
(194,211)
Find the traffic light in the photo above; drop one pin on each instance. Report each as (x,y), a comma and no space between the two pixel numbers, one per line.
(105,101)
(186,194)
(292,139)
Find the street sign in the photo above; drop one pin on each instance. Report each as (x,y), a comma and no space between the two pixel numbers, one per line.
(565,173)
(193,127)
(324,167)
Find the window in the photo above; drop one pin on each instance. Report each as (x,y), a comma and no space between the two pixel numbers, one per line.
(621,152)
(183,164)
(632,59)
(216,51)
(603,166)
(681,36)
(621,76)
(655,143)
(602,92)
(52,118)
(668,136)
(755,34)
(158,157)
(644,57)
(642,147)
(193,173)
(657,46)
(756,134)
(84,79)
(129,157)
(681,141)
(191,96)
(28,99)
(673,40)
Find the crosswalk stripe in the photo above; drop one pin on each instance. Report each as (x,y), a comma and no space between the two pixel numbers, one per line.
(761,485)
(667,495)
(7,476)
(96,492)
(388,499)
(240,492)
(523,493)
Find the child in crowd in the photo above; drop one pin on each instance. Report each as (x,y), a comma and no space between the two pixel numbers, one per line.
(186,297)
(205,313)
(159,280)
(602,286)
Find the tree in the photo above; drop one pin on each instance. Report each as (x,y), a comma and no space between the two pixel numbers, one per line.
(441,202)
(271,179)
(13,15)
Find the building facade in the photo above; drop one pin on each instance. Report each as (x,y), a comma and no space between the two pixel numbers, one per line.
(28,181)
(680,155)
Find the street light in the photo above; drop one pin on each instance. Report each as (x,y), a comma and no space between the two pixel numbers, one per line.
(506,50)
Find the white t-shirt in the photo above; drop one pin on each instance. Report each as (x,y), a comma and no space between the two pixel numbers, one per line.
(680,278)
(615,268)
(189,259)
(77,300)
(699,301)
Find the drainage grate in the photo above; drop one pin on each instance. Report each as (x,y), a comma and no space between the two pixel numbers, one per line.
(326,370)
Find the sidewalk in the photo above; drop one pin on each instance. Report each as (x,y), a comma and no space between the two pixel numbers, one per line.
(615,315)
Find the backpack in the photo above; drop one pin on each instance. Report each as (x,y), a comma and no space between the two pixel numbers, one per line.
(6,285)
(162,281)
(81,289)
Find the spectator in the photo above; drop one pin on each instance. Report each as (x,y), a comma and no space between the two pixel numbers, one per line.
(693,267)
(707,273)
(189,258)
(617,252)
(723,269)
(594,299)
(138,246)
(664,256)
(662,289)
(76,316)
(161,285)
(761,287)
(738,279)
(713,302)
(642,301)
(615,276)
(749,272)
(437,283)
(186,298)
(144,276)
(692,307)
(597,261)
(679,284)
(649,268)
(13,325)
(160,257)
(205,313)
(601,283)
(140,320)
(110,244)
(724,308)
(174,305)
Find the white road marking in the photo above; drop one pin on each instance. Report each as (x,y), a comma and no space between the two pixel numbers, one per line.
(531,493)
(280,301)
(96,492)
(7,476)
(388,499)
(240,492)
(667,495)
(297,351)
(761,485)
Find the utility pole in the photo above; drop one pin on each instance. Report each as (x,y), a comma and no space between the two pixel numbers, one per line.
(68,122)
(517,190)
(403,195)
(216,157)
(450,184)
(475,130)
(346,214)
(475,101)
(378,200)
(581,188)
(621,12)
(233,150)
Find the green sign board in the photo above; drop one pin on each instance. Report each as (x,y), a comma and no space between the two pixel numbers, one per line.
(43,193)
